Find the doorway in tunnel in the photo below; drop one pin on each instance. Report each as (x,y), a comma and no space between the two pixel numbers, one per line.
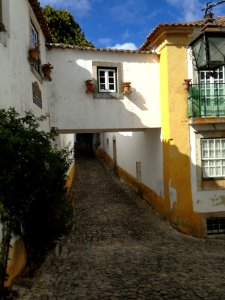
(84,144)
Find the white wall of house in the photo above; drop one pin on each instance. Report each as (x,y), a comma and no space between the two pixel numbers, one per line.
(204,201)
(16,80)
(73,109)
(144,147)
(17,76)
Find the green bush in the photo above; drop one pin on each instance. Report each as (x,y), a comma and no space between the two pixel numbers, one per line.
(32,184)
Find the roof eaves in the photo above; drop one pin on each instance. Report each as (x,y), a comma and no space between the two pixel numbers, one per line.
(41,19)
(165,26)
(92,49)
(220,21)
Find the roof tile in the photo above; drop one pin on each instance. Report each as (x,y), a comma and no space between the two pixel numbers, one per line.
(196,24)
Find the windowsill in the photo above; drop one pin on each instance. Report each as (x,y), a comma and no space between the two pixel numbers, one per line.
(206,120)
(108,95)
(211,184)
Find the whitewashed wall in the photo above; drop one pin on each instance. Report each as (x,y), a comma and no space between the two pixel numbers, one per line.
(15,76)
(73,109)
(144,147)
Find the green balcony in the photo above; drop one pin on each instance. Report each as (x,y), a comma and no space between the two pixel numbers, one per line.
(206,100)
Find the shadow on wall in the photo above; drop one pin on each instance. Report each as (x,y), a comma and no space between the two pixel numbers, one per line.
(137,99)
(176,203)
(178,191)
(72,108)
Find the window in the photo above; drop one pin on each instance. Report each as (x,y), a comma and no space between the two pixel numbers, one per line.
(34,37)
(213,157)
(34,43)
(216,225)
(2,27)
(107,77)
(212,90)
(106,80)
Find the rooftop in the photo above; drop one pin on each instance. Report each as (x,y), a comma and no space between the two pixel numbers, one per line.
(220,21)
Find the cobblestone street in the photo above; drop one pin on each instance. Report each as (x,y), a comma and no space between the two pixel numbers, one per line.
(119,248)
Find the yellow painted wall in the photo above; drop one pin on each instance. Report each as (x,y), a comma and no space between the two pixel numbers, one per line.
(175,131)
(17,260)
(70,176)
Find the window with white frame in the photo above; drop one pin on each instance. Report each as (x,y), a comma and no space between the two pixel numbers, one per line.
(212,83)
(34,42)
(213,157)
(106,80)
(34,37)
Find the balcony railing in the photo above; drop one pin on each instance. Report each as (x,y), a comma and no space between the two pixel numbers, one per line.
(206,100)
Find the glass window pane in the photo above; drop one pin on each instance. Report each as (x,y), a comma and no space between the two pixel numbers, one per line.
(205,154)
(211,154)
(204,144)
(223,144)
(211,144)
(111,86)
(218,171)
(218,154)
(211,172)
(111,80)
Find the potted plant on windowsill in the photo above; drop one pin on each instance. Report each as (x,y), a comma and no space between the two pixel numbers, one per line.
(126,87)
(34,52)
(89,85)
(47,69)
(187,83)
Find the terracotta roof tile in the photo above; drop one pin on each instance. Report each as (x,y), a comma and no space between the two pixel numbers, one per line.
(196,24)
(41,19)
(66,46)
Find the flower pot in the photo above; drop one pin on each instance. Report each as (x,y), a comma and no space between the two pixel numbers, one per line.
(89,86)
(34,53)
(47,72)
(47,69)
(186,84)
(126,87)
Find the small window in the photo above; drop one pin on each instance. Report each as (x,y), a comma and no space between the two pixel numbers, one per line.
(2,27)
(106,80)
(213,158)
(34,37)
(216,225)
(34,42)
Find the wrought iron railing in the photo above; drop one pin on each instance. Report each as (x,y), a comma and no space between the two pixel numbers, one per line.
(206,100)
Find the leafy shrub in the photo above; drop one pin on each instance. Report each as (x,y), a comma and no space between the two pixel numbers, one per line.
(32,184)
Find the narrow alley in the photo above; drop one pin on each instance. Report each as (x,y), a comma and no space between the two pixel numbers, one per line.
(119,248)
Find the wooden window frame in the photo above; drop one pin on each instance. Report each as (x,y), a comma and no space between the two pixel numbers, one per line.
(110,87)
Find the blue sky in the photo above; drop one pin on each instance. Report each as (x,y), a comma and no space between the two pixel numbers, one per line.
(125,24)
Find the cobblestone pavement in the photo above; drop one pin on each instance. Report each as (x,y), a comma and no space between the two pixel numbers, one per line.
(119,248)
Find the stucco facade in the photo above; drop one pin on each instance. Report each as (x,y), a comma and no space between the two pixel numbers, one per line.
(72,109)
(17,80)
(146,133)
